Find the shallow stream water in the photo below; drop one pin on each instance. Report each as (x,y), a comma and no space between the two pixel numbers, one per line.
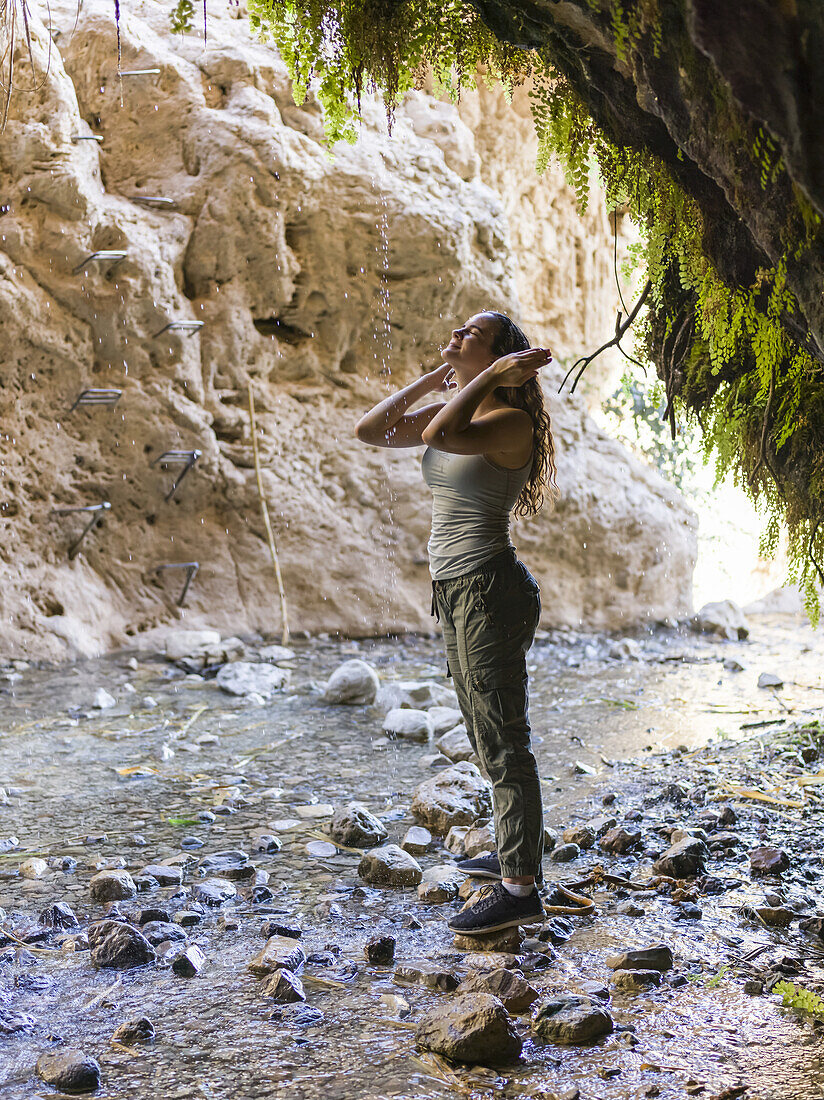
(127,784)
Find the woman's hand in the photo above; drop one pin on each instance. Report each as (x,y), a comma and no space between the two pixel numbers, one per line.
(440,378)
(519,366)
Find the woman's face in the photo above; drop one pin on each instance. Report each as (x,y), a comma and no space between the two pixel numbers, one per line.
(469,351)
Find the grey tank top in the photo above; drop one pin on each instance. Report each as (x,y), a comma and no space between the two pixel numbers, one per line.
(471,501)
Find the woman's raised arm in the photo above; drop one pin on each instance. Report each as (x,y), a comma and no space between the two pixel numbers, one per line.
(389,425)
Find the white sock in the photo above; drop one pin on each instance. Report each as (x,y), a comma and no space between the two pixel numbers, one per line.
(519,891)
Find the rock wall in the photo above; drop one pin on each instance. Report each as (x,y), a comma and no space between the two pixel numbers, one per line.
(321,282)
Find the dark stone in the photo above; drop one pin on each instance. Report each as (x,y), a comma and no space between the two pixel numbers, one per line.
(582,835)
(215,892)
(658,957)
(285,986)
(769,861)
(683,860)
(276,928)
(571,1019)
(556,931)
(355,827)
(565,853)
(433,977)
(261,895)
(158,931)
(155,913)
(380,950)
(118,945)
(189,962)
(620,839)
(473,1028)
(59,915)
(140,1030)
(230,864)
(69,1070)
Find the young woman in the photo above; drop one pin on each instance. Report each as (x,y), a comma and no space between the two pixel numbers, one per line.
(488,450)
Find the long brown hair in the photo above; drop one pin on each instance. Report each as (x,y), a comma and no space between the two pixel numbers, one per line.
(529,397)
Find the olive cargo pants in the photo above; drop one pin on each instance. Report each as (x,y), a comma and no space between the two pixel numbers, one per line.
(489,617)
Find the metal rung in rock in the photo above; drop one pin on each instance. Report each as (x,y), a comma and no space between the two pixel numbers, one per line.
(153,200)
(191,568)
(186,326)
(109,398)
(94,509)
(173,458)
(112,255)
(86,137)
(140,72)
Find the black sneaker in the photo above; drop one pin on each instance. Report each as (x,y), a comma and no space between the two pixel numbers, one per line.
(495,909)
(482,866)
(487,867)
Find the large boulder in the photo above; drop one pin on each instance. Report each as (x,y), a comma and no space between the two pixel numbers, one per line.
(458,795)
(389,865)
(354,682)
(472,1027)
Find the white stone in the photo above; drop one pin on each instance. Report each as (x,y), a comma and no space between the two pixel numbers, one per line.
(188,643)
(102,700)
(420,694)
(244,678)
(625,649)
(444,719)
(456,744)
(353,682)
(724,617)
(408,725)
(276,653)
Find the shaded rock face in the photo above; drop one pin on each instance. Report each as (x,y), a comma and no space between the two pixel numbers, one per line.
(278,251)
(473,1027)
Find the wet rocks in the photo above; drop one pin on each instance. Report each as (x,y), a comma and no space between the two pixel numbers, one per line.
(189,962)
(571,1019)
(507,940)
(433,977)
(140,1030)
(444,719)
(189,643)
(621,839)
(33,868)
(683,860)
(455,745)
(59,915)
(472,1028)
(439,884)
(407,725)
(582,835)
(417,840)
(160,931)
(244,678)
(454,841)
(233,865)
(634,981)
(279,952)
(724,618)
(163,874)
(354,682)
(117,945)
(769,861)
(284,986)
(458,795)
(69,1070)
(389,865)
(479,838)
(103,701)
(112,886)
(657,957)
(354,826)
(380,950)
(509,986)
(564,853)
(213,892)
(770,680)
(418,694)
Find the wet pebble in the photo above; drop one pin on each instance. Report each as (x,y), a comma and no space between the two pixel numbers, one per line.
(118,945)
(380,950)
(417,840)
(283,986)
(564,853)
(683,860)
(159,931)
(140,1030)
(769,861)
(59,915)
(657,957)
(33,868)
(214,892)
(353,682)
(164,875)
(509,986)
(354,826)
(389,865)
(408,725)
(431,976)
(189,962)
(321,849)
(278,952)
(459,795)
(455,745)
(632,981)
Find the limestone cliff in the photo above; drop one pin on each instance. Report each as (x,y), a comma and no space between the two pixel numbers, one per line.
(320,281)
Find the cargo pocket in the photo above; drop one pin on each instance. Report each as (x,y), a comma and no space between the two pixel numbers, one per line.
(500,714)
